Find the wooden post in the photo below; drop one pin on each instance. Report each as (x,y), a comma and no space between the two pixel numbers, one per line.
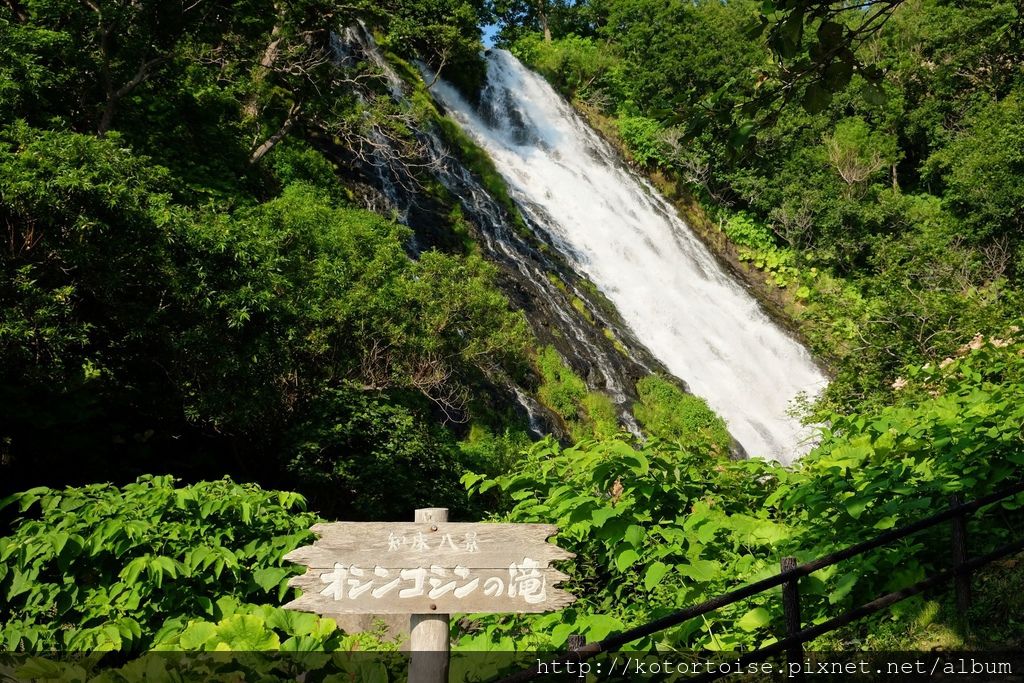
(791,611)
(429,633)
(962,575)
(575,643)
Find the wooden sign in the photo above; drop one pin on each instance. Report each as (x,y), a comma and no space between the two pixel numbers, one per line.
(423,568)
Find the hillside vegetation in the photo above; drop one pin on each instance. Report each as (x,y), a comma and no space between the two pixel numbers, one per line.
(209,341)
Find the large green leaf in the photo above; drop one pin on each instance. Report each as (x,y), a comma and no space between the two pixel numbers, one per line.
(754,619)
(625,558)
(245,633)
(655,573)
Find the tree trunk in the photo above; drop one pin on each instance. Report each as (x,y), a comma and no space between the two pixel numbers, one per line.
(251,107)
(269,143)
(542,14)
(115,96)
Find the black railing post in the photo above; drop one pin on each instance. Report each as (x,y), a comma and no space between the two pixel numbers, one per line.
(791,611)
(962,576)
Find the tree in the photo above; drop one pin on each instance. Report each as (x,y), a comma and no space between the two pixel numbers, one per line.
(982,167)
(107,49)
(130,320)
(552,18)
(857,153)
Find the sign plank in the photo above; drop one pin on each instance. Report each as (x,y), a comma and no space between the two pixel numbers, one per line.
(422,568)
(403,545)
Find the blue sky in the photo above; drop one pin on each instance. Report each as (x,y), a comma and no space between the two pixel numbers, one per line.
(489,33)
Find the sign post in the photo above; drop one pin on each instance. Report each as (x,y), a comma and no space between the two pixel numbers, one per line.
(428,633)
(429,569)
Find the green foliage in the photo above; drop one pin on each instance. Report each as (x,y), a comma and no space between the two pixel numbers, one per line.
(488,450)
(574,63)
(666,525)
(757,246)
(857,152)
(955,428)
(643,137)
(132,568)
(186,288)
(667,412)
(561,389)
(602,417)
(294,162)
(361,456)
(653,529)
(982,167)
(586,414)
(130,318)
(444,32)
(744,230)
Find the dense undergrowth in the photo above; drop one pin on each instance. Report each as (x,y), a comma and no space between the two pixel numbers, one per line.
(668,524)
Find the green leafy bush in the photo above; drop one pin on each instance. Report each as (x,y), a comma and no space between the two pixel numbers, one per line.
(561,389)
(131,568)
(140,321)
(664,525)
(653,528)
(643,137)
(361,456)
(745,230)
(982,168)
(586,414)
(573,63)
(488,450)
(602,417)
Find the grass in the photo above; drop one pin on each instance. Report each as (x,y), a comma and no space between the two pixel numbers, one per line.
(667,412)
(581,308)
(586,414)
(619,346)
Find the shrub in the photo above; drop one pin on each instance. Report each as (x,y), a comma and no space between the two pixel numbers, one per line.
(561,389)
(743,229)
(574,64)
(127,568)
(667,412)
(653,528)
(644,139)
(362,456)
(661,526)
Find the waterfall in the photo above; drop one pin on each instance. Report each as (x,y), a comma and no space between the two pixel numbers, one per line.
(562,310)
(615,229)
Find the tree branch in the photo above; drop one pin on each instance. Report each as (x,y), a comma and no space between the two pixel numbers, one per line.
(268,144)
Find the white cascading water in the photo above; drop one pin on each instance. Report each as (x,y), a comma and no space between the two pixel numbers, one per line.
(614,228)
